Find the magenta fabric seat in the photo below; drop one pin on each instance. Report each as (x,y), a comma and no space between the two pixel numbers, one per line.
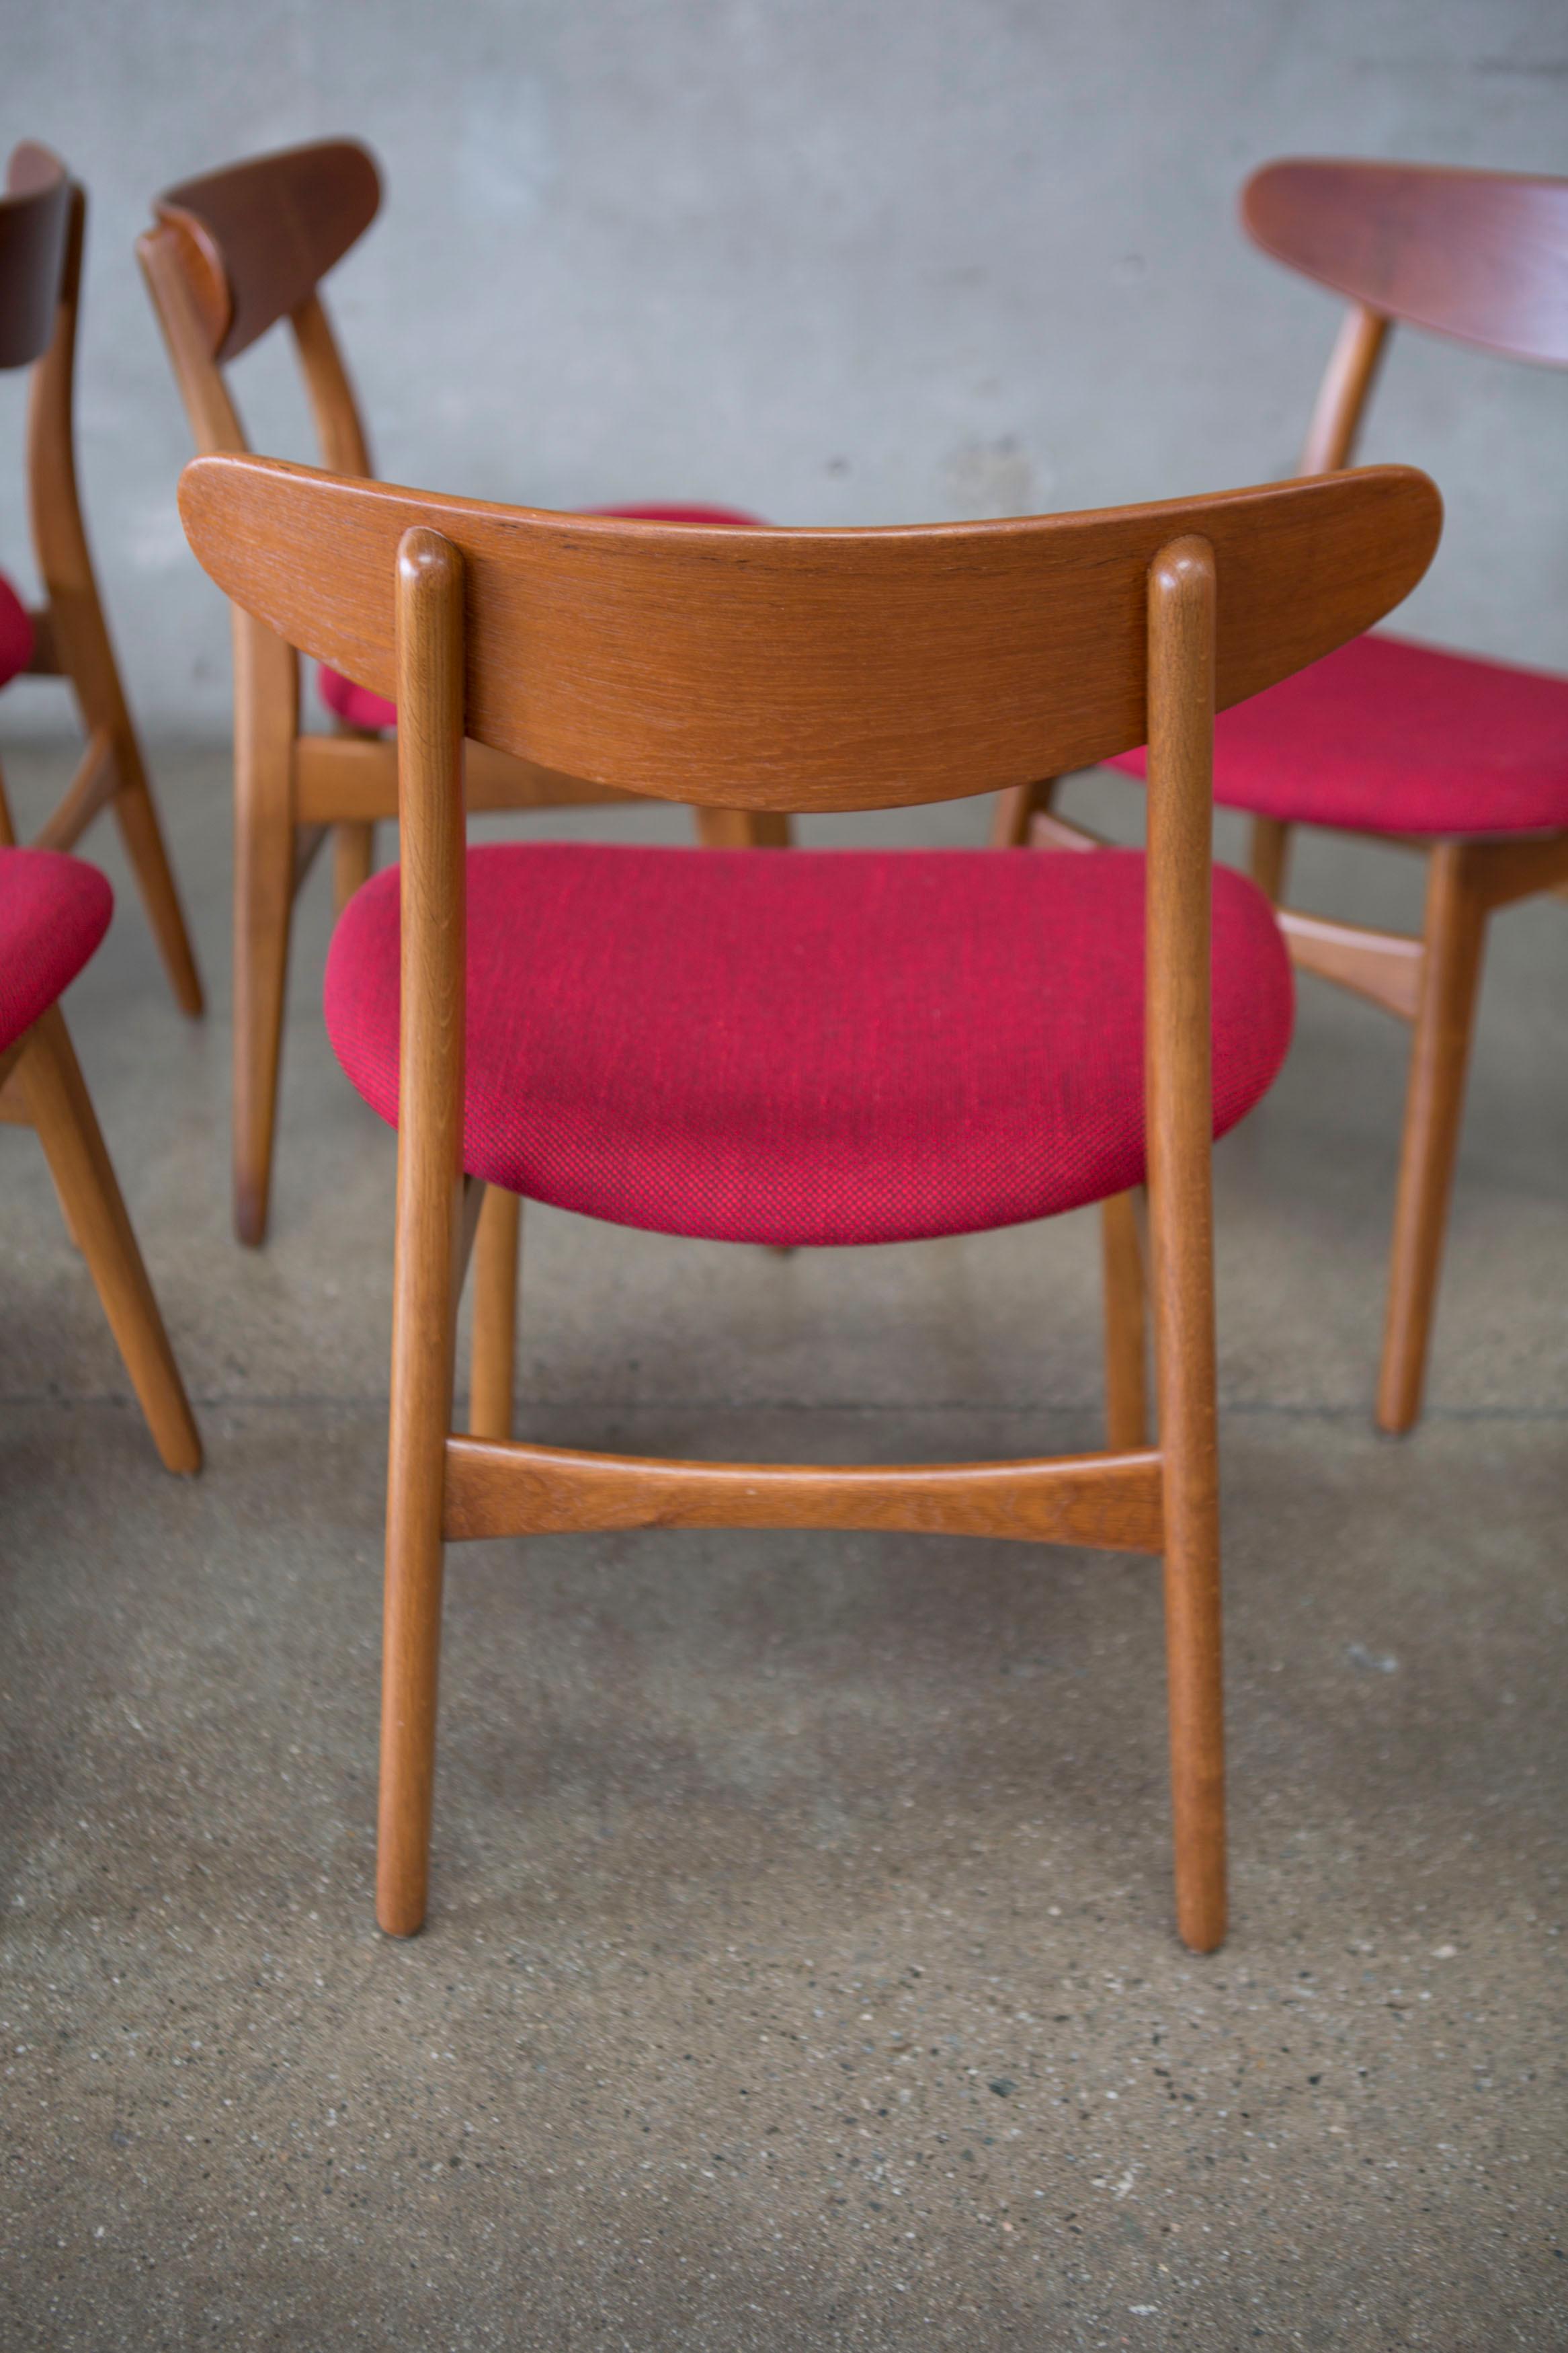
(15,633)
(358,706)
(809,1047)
(54,910)
(1385,736)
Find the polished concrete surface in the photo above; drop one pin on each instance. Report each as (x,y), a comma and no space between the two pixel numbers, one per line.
(800,1971)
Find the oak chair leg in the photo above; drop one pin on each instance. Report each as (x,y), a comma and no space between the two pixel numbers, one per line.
(1126,1400)
(1271,855)
(136,814)
(1179,1094)
(722,828)
(1455,933)
(263,880)
(353,860)
(495,1313)
(1015,810)
(60,1109)
(426,1281)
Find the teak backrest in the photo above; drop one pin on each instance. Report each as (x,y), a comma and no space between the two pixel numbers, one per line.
(34,223)
(810,669)
(236,250)
(266,232)
(1480,256)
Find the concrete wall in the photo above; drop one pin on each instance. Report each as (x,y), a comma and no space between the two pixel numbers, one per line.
(845,260)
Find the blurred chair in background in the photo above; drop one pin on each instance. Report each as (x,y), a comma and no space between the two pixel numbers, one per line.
(54,910)
(43,219)
(1464,760)
(229,255)
(831,1047)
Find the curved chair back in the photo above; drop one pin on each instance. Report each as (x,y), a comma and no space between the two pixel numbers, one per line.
(826,670)
(1479,255)
(234,251)
(35,224)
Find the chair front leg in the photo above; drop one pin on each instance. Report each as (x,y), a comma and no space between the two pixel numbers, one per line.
(1454,936)
(60,1109)
(1121,1252)
(496,1251)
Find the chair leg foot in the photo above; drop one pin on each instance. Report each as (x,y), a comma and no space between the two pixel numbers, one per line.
(61,1111)
(1434,1108)
(264,895)
(1198,1740)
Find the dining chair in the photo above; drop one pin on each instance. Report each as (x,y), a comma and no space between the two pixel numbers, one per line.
(43,223)
(831,1047)
(54,912)
(1462,759)
(229,256)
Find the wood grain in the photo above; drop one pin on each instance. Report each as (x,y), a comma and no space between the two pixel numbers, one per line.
(432,1226)
(810,668)
(264,232)
(1481,256)
(1109,1502)
(1184,595)
(1385,967)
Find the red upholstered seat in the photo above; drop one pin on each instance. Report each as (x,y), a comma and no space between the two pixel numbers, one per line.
(15,633)
(54,910)
(811,1046)
(360,708)
(1384,736)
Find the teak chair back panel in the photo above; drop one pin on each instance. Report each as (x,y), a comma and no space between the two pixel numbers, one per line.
(805,669)
(810,671)
(230,255)
(43,225)
(1480,256)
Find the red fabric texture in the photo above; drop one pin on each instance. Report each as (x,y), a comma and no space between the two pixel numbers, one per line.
(360,708)
(15,633)
(808,1047)
(1384,736)
(54,909)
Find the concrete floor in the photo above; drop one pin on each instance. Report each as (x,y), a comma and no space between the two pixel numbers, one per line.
(801,1969)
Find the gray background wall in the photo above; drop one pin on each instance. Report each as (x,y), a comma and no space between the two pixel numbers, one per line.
(843,260)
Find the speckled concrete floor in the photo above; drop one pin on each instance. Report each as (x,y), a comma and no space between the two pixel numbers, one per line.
(801,1971)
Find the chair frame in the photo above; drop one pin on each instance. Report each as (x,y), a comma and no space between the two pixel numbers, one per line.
(1420,245)
(42,1087)
(228,256)
(43,227)
(1072,634)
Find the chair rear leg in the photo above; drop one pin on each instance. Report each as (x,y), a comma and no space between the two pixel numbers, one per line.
(264,879)
(1271,855)
(1126,1401)
(61,1111)
(1434,1106)
(496,1249)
